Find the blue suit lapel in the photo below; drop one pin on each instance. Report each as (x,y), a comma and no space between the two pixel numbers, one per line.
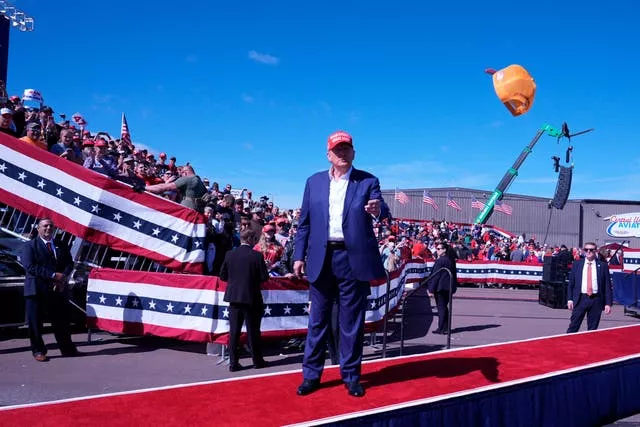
(352,188)
(324,195)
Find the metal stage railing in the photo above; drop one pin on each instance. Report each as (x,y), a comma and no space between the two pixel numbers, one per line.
(86,255)
(633,309)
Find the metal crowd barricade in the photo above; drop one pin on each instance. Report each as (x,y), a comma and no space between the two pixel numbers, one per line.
(633,309)
(409,294)
(86,255)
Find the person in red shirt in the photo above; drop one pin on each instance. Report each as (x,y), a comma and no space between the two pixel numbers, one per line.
(269,247)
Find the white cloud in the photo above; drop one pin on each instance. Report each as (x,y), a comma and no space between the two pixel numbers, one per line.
(263,58)
(142,146)
(103,98)
(248,98)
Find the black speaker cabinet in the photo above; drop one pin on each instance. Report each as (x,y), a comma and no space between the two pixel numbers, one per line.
(563,187)
(554,269)
(553,294)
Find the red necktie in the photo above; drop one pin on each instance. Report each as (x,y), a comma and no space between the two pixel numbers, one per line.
(589,279)
(50,249)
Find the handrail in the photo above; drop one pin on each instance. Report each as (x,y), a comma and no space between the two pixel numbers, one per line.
(632,272)
(423,283)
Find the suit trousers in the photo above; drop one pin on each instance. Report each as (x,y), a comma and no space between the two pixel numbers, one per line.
(336,282)
(442,303)
(591,307)
(57,305)
(238,314)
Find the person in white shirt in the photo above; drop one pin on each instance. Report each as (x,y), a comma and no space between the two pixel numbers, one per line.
(590,291)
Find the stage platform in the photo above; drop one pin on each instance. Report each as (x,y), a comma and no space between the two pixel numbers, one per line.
(584,379)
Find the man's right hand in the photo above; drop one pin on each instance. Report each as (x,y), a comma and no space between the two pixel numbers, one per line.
(58,277)
(570,305)
(298,266)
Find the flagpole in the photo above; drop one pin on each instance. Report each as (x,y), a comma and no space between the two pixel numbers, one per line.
(422,208)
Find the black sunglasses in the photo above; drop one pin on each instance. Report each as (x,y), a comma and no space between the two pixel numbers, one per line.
(589,249)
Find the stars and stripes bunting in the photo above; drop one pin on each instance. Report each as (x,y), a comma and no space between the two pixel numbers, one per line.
(99,209)
(503,207)
(452,203)
(428,199)
(476,204)
(401,197)
(191,307)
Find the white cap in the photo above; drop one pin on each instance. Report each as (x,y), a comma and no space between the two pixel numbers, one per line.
(4,111)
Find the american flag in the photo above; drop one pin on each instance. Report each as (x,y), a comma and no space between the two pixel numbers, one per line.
(452,203)
(401,197)
(125,136)
(99,209)
(503,207)
(476,204)
(428,199)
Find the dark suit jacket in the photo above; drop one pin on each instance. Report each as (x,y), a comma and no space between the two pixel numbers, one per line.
(604,281)
(357,225)
(441,281)
(244,270)
(40,265)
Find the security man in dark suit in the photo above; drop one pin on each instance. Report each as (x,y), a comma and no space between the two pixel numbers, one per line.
(589,292)
(244,270)
(47,265)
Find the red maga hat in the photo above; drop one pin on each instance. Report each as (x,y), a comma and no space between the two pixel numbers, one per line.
(340,137)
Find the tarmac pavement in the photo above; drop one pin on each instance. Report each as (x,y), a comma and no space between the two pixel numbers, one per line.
(112,363)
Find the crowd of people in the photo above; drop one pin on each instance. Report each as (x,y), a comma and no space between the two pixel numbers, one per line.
(229,211)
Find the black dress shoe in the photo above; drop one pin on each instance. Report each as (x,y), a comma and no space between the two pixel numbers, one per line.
(260,365)
(234,367)
(355,388)
(308,387)
(71,353)
(40,357)
(437,332)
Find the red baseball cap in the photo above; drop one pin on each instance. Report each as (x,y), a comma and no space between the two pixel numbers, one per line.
(162,155)
(268,228)
(339,137)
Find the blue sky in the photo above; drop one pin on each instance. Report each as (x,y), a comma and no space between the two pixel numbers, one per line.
(248,91)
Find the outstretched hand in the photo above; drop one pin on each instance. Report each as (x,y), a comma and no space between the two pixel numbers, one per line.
(373,207)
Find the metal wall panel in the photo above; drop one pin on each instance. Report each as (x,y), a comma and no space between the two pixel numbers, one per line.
(572,226)
(594,225)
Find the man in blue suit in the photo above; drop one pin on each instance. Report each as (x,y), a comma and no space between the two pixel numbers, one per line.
(337,249)
(589,291)
(47,265)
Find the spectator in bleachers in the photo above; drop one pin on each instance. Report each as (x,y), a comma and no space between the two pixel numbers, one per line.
(65,147)
(518,254)
(282,231)
(189,186)
(6,122)
(101,161)
(269,247)
(34,131)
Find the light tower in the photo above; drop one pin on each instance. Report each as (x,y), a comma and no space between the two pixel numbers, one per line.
(10,16)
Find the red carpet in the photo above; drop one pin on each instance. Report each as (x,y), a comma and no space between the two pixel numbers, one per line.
(271,399)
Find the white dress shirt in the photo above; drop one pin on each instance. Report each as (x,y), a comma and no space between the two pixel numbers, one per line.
(337,194)
(594,276)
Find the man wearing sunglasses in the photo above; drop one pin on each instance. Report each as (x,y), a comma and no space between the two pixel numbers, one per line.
(589,291)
